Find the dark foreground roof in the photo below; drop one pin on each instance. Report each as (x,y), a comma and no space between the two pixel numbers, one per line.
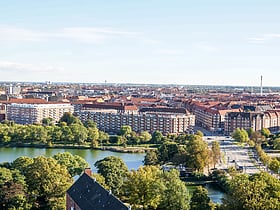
(90,195)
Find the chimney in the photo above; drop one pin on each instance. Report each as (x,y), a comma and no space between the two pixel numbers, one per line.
(87,171)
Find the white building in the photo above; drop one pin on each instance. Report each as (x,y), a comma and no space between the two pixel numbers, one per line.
(29,113)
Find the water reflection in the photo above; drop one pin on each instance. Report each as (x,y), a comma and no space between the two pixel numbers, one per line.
(133,160)
(214,192)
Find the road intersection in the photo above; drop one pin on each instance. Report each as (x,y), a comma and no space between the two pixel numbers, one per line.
(241,157)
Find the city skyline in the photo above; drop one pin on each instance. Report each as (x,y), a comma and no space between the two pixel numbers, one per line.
(147,42)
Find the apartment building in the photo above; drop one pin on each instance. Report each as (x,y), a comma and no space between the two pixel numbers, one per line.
(29,111)
(110,118)
(257,120)
(211,116)
(2,112)
(272,120)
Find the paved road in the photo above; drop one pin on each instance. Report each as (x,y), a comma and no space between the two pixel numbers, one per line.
(241,157)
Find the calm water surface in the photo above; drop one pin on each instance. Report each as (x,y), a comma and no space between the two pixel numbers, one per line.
(132,160)
(214,192)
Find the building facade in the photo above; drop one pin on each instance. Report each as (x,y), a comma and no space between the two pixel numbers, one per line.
(211,118)
(256,120)
(165,120)
(29,113)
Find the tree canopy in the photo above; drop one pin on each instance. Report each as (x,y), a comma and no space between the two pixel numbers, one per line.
(151,188)
(240,135)
(13,190)
(259,192)
(48,181)
(74,163)
(114,170)
(200,199)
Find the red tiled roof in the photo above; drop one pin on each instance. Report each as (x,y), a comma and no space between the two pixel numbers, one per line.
(118,106)
(33,101)
(27,101)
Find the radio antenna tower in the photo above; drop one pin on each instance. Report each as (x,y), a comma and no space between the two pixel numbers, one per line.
(261,85)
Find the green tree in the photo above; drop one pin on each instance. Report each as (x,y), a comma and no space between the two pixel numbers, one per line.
(157,137)
(13,191)
(103,137)
(240,135)
(133,138)
(20,133)
(274,165)
(121,140)
(216,152)
(258,192)
(265,132)
(93,136)
(70,119)
(79,132)
(4,133)
(197,153)
(101,180)
(151,188)
(257,137)
(114,170)
(250,131)
(125,130)
(47,121)
(90,124)
(22,163)
(167,151)
(276,143)
(145,137)
(200,199)
(36,133)
(55,133)
(175,195)
(143,188)
(199,133)
(151,158)
(47,182)
(66,133)
(74,163)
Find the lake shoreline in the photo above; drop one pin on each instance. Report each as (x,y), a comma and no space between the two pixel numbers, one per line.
(108,148)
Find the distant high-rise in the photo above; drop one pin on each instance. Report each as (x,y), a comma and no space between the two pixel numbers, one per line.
(13,90)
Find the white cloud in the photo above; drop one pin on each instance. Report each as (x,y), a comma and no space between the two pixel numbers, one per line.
(28,68)
(168,52)
(263,38)
(19,34)
(206,47)
(81,34)
(92,34)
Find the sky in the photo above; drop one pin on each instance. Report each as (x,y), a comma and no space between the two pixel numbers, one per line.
(188,42)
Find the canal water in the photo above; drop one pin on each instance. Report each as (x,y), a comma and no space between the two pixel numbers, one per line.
(132,160)
(214,192)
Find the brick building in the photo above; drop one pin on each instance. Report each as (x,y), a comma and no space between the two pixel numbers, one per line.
(256,120)
(110,118)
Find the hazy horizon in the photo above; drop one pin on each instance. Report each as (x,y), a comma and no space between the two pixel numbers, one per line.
(145,42)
